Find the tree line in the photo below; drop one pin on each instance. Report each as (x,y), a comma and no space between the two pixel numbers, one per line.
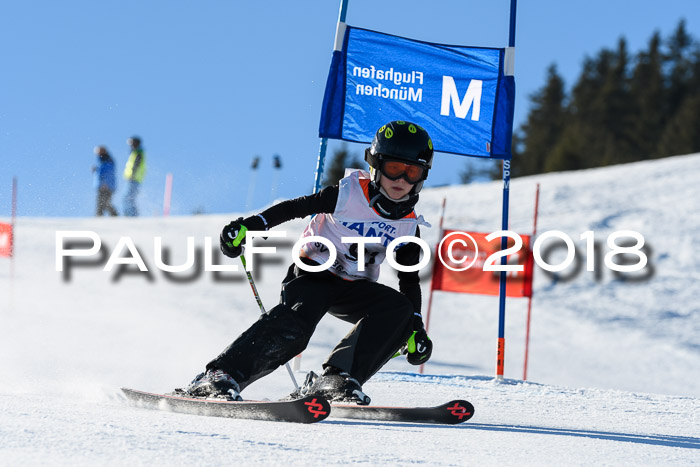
(621,109)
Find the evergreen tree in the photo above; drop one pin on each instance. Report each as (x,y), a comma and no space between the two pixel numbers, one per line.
(648,94)
(683,95)
(543,128)
(570,153)
(681,135)
(599,128)
(469,174)
(617,111)
(342,159)
(481,170)
(680,67)
(584,137)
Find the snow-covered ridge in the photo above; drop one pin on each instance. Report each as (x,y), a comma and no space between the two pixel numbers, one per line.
(614,369)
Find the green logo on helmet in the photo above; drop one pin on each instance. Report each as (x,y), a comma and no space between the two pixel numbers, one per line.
(412,128)
(400,122)
(430,144)
(388,133)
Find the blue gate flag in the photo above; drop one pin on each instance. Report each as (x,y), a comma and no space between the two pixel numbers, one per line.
(463,96)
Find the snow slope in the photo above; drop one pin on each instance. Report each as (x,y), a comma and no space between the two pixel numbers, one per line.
(614,372)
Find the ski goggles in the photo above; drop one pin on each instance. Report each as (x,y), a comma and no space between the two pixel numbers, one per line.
(394,170)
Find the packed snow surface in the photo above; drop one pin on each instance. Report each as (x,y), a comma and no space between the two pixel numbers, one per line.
(614,362)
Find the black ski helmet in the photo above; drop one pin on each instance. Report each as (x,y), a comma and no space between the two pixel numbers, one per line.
(403,141)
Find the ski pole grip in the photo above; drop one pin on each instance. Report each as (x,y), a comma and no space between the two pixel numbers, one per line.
(240,237)
(411,343)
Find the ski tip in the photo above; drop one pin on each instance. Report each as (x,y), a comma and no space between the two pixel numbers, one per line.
(458,410)
(317,407)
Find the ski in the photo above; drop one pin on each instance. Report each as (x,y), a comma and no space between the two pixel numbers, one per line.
(308,409)
(450,413)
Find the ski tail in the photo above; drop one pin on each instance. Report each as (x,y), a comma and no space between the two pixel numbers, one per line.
(308,409)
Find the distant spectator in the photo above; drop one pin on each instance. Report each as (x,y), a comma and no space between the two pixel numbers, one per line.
(105,181)
(134,172)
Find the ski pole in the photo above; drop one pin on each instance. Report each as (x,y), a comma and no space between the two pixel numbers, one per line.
(262,311)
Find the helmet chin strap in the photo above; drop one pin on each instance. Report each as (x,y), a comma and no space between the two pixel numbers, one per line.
(388,207)
(400,200)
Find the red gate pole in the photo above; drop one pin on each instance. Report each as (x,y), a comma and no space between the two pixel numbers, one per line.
(168,194)
(529,300)
(12,243)
(432,281)
(14,215)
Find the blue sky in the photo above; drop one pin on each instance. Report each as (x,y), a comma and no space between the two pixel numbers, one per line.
(209,85)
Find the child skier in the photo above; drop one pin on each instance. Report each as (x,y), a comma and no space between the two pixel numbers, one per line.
(375,204)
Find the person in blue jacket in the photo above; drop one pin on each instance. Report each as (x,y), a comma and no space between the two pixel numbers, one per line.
(106,181)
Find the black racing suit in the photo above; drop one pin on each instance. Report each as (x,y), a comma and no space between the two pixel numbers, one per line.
(384,318)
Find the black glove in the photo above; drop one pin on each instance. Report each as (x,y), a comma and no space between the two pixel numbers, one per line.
(232,238)
(418,348)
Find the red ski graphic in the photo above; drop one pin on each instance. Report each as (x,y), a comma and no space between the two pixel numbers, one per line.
(316,408)
(450,413)
(460,411)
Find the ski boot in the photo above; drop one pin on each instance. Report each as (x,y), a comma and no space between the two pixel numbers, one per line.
(334,385)
(214,384)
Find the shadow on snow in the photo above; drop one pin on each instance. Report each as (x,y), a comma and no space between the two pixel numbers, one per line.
(659,440)
(650,439)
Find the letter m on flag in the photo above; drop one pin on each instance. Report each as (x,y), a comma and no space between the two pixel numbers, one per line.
(472,98)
